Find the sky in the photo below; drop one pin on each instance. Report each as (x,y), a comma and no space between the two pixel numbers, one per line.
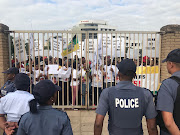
(128,15)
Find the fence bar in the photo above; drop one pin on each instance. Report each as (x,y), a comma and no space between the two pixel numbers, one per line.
(71,32)
(138,84)
(77,74)
(68,64)
(155,66)
(9,43)
(15,51)
(150,63)
(93,63)
(146,61)
(159,59)
(19,51)
(82,64)
(142,60)
(111,60)
(30,65)
(116,59)
(106,60)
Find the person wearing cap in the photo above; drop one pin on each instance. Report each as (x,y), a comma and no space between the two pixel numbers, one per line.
(9,85)
(168,97)
(43,119)
(126,104)
(15,104)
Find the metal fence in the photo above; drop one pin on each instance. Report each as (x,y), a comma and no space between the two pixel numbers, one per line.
(83,63)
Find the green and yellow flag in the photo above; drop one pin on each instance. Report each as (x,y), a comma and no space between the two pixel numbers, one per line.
(72,46)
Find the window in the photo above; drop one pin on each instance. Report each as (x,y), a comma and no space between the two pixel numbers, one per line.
(91,24)
(95,35)
(83,36)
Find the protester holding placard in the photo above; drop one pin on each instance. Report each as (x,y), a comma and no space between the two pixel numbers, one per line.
(64,75)
(41,74)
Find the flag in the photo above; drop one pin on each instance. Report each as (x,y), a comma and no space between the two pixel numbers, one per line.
(98,52)
(72,46)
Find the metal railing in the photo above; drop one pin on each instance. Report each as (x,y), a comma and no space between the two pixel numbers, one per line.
(86,61)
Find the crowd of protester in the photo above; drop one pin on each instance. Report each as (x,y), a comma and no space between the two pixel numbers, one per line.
(78,76)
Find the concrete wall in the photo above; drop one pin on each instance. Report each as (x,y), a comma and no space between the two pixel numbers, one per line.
(170,40)
(4,52)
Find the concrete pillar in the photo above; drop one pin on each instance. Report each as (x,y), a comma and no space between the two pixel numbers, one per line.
(4,53)
(170,40)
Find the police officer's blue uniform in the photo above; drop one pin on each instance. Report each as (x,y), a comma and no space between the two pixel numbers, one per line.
(168,94)
(49,121)
(9,86)
(126,104)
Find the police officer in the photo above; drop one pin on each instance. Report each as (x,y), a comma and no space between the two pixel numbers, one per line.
(126,104)
(169,96)
(44,120)
(15,104)
(9,85)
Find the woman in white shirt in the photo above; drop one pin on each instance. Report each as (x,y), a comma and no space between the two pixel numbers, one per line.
(84,76)
(74,82)
(64,75)
(97,79)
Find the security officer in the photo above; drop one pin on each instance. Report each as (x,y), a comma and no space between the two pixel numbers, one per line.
(15,104)
(168,99)
(44,120)
(9,85)
(126,104)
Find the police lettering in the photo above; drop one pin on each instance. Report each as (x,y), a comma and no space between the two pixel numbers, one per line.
(127,103)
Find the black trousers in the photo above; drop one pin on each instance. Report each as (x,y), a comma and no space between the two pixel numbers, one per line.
(97,95)
(66,89)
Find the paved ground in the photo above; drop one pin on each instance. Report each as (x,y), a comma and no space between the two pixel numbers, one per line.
(83,122)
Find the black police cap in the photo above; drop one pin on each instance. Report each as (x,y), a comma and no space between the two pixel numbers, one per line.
(44,90)
(127,66)
(173,56)
(12,70)
(22,81)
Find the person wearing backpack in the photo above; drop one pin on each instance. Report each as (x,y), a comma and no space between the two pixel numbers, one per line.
(168,99)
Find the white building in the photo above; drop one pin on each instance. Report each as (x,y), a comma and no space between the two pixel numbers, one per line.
(92,25)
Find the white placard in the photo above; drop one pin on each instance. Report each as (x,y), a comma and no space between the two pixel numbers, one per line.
(53,69)
(20,49)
